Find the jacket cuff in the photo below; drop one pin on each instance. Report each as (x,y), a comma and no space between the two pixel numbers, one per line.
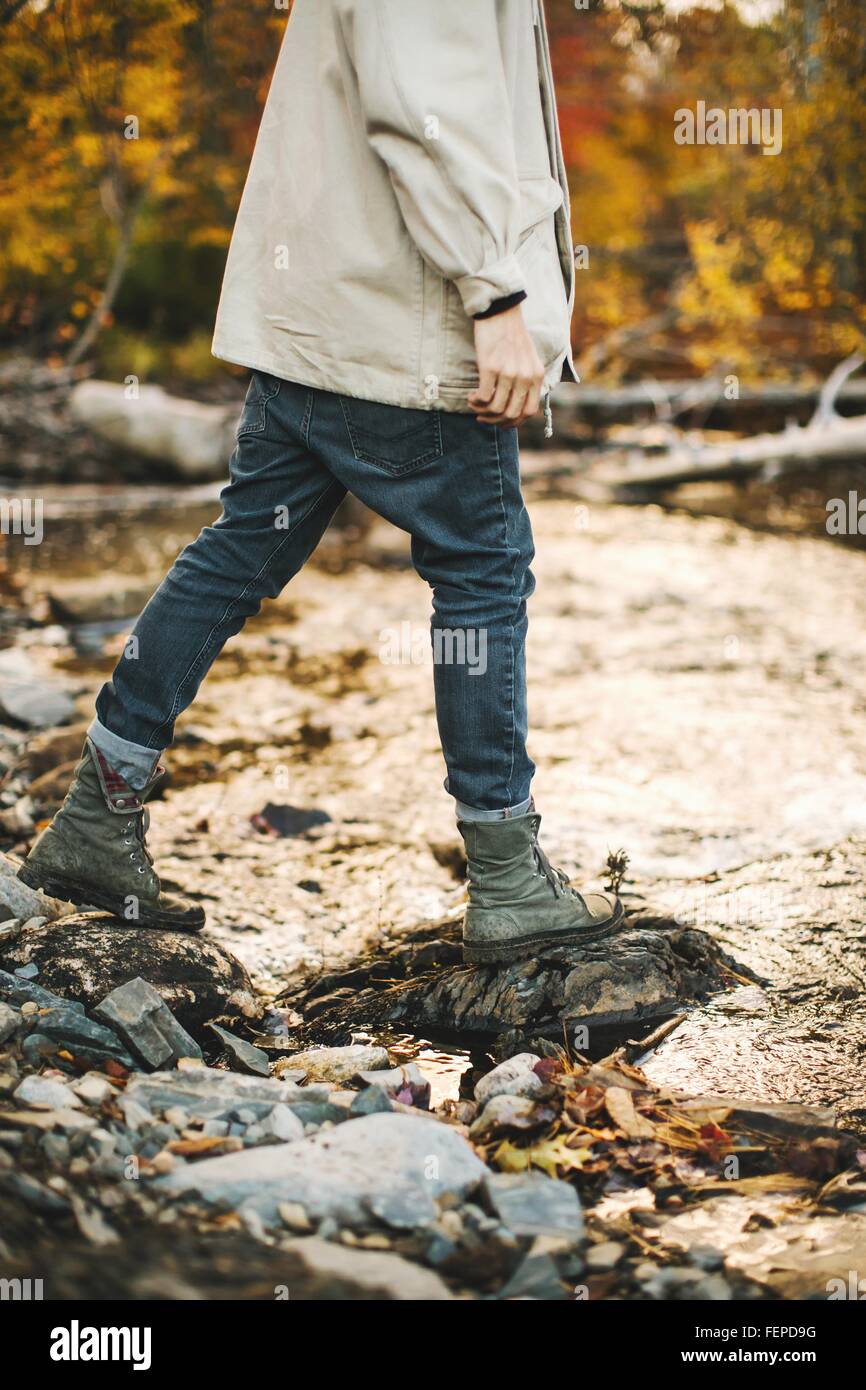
(499,306)
(494,281)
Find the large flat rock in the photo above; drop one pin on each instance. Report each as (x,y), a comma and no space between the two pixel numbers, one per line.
(383,1167)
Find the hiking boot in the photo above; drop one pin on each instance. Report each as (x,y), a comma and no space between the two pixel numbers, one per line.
(94,853)
(518,903)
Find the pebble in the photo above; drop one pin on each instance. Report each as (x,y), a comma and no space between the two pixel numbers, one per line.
(605,1256)
(42,1093)
(94,1088)
(10,1021)
(294,1216)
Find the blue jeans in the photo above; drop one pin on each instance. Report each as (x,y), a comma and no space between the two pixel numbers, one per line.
(450,482)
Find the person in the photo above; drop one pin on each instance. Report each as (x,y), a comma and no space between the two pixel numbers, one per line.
(400,282)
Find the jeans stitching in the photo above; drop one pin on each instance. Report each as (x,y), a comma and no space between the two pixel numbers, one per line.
(511,627)
(229,611)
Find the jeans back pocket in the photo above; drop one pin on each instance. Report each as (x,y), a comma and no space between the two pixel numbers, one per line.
(392,437)
(262,388)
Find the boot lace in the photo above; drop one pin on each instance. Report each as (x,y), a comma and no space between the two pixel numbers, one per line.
(559,881)
(135,832)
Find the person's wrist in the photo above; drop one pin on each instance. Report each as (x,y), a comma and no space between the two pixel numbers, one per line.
(502,305)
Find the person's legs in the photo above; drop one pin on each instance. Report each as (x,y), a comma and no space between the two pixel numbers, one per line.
(454,485)
(275,508)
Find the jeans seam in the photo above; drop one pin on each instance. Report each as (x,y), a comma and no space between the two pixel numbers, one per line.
(511,626)
(229,610)
(308,416)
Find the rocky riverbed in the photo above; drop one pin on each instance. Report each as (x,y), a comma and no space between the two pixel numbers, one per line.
(697,701)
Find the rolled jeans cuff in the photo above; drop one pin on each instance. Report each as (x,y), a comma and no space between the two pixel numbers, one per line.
(507,812)
(134,763)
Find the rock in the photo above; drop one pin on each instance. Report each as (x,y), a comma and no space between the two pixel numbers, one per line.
(536,1277)
(327,1271)
(282,1123)
(388,1167)
(27,972)
(337,1064)
(514,1077)
(246,1057)
(407,1084)
(796,1254)
(99,600)
(604,1256)
(505,1112)
(37,704)
(638,974)
(66,1026)
(10,1022)
(88,955)
(531,1204)
(295,1217)
(43,1093)
(207,1094)
(30,997)
(94,1089)
(17,901)
(138,1014)
(372,1101)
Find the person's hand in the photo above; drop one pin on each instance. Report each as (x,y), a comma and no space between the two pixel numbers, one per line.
(510,371)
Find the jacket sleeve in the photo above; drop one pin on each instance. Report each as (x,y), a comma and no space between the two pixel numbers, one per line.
(435,105)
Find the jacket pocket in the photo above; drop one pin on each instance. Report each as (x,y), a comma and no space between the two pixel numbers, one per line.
(392,437)
(262,388)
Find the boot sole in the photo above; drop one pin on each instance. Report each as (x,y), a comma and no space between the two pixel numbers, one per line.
(521,947)
(68,890)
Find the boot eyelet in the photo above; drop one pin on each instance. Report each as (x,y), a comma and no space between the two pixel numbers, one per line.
(141,871)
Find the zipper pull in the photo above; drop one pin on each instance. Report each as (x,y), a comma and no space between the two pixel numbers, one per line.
(548,416)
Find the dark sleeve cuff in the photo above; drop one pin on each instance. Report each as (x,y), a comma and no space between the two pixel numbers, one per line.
(499,306)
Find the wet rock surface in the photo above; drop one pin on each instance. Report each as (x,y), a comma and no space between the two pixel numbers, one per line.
(86,956)
(644,972)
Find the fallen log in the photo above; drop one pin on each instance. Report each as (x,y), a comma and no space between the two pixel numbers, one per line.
(195,438)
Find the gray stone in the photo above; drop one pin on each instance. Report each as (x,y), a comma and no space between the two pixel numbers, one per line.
(68,1027)
(56,1149)
(393,1167)
(337,1064)
(531,1204)
(205,1093)
(18,902)
(27,972)
(604,1256)
(513,1077)
(35,703)
(536,1277)
(16,991)
(135,1115)
(138,1014)
(329,1271)
(94,1088)
(45,1094)
(504,1112)
(10,1021)
(282,1123)
(371,1101)
(245,1057)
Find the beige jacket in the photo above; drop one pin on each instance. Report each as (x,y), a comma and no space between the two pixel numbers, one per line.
(407,172)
